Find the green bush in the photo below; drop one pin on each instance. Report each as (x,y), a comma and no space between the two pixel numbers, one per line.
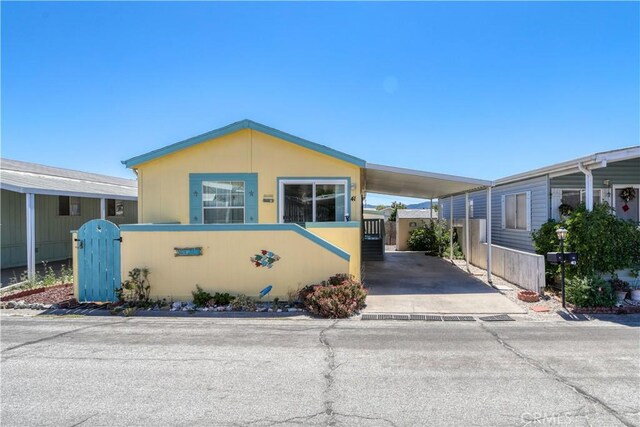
(222,298)
(339,297)
(591,291)
(201,297)
(604,242)
(433,238)
(136,289)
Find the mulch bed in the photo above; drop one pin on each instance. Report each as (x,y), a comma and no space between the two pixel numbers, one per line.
(49,295)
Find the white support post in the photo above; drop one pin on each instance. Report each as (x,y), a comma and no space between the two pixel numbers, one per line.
(31,235)
(431,208)
(489,278)
(451,229)
(103,208)
(466,229)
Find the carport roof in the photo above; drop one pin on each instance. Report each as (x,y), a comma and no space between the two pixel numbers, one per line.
(414,183)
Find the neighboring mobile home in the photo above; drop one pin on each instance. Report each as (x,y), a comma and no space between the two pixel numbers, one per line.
(522,203)
(42,204)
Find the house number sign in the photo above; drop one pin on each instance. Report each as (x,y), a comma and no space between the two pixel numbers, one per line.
(188,251)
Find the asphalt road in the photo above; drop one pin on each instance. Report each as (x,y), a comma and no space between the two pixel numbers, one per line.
(171,371)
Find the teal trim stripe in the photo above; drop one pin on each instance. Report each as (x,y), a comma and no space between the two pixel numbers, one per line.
(235,127)
(350,224)
(250,194)
(239,227)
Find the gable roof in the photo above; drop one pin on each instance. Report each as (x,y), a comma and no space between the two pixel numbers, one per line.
(24,177)
(235,127)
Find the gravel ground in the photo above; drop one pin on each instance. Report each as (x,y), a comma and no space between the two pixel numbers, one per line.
(52,295)
(510,290)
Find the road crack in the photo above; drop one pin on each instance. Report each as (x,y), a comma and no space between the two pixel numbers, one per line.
(61,334)
(557,377)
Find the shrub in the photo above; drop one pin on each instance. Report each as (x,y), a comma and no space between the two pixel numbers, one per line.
(339,297)
(200,297)
(243,303)
(604,243)
(136,288)
(433,238)
(222,299)
(591,291)
(619,285)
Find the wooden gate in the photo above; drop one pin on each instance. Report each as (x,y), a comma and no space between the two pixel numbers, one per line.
(98,244)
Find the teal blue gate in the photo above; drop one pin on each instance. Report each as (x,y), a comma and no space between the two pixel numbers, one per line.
(98,245)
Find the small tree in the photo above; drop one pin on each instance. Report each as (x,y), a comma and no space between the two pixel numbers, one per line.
(394,212)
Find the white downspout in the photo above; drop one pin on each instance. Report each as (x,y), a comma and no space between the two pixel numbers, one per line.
(588,186)
(103,208)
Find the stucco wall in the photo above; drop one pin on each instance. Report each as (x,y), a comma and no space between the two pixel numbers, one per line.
(225,265)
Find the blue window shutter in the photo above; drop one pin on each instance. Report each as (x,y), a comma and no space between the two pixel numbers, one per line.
(195,200)
(251,199)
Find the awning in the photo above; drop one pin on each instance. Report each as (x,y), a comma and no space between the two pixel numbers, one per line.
(414,183)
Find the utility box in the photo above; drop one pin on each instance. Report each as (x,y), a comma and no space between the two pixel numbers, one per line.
(556,258)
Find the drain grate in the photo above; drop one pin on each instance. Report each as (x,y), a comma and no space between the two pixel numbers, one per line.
(458,318)
(426,317)
(369,317)
(497,318)
(401,317)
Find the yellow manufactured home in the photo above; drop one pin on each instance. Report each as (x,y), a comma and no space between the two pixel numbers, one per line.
(241,208)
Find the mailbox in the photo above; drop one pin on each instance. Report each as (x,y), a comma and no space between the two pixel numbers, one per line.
(556,257)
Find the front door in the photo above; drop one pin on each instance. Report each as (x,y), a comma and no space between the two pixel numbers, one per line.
(98,261)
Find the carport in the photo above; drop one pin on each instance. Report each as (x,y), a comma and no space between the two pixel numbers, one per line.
(429,185)
(415,283)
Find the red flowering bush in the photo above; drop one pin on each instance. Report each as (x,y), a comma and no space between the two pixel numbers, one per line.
(339,297)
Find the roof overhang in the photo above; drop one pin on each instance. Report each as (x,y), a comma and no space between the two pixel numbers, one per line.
(593,161)
(419,184)
(119,195)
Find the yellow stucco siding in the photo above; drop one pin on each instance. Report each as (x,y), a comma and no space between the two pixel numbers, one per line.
(164,182)
(225,265)
(347,239)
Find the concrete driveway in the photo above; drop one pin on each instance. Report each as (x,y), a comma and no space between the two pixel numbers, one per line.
(411,282)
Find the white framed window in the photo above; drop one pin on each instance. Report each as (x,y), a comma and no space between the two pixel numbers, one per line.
(516,211)
(68,206)
(313,200)
(471,208)
(223,202)
(571,197)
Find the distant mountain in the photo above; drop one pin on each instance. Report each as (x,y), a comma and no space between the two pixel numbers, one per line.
(424,205)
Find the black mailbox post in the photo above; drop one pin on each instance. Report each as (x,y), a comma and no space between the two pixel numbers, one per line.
(562,258)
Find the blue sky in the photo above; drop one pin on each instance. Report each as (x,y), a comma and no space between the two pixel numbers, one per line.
(474,89)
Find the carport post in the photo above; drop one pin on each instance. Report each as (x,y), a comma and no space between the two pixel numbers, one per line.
(451,229)
(466,229)
(431,208)
(489,279)
(31,235)
(103,208)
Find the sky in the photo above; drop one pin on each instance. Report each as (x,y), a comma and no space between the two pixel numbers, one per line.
(484,90)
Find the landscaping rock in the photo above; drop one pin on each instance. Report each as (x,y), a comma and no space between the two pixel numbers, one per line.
(176,306)
(11,304)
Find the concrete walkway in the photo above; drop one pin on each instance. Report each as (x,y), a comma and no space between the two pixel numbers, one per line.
(410,282)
